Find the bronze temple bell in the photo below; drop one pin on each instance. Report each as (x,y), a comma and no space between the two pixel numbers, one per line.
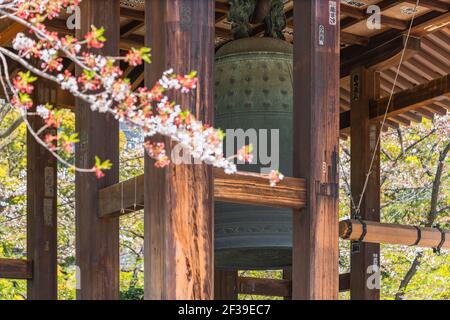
(253,85)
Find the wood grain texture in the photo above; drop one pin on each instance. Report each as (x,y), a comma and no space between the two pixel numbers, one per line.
(243,187)
(15,269)
(264,287)
(278,287)
(41,204)
(395,234)
(316,149)
(250,188)
(225,284)
(178,199)
(381,57)
(10,33)
(410,99)
(364,88)
(97,240)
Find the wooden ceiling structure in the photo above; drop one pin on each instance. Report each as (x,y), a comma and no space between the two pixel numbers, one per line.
(427,55)
(426,60)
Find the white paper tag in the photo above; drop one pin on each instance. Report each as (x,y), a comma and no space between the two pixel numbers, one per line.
(321,35)
(332,19)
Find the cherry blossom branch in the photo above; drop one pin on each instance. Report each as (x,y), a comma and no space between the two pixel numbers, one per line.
(100,85)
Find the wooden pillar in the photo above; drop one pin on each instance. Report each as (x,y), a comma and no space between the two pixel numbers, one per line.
(365,257)
(287,275)
(316,148)
(179,199)
(41,204)
(225,284)
(97,239)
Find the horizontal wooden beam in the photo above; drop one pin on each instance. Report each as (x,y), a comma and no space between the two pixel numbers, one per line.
(431,25)
(252,188)
(132,14)
(264,287)
(127,41)
(15,269)
(388,233)
(409,99)
(381,57)
(278,287)
(350,38)
(243,187)
(405,100)
(386,21)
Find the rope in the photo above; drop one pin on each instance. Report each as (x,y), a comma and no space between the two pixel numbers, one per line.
(122,210)
(358,208)
(419,236)
(135,205)
(437,250)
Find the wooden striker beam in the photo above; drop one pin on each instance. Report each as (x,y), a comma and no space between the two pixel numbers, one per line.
(394,234)
(316,149)
(97,239)
(178,231)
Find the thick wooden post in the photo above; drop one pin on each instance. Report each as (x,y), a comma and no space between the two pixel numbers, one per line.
(287,275)
(365,257)
(179,199)
(41,204)
(225,284)
(316,148)
(97,239)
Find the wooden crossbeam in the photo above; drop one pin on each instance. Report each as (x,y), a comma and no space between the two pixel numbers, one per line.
(132,14)
(264,287)
(403,101)
(244,187)
(127,42)
(131,27)
(411,98)
(431,25)
(389,233)
(251,188)
(351,38)
(278,287)
(15,269)
(385,20)
(10,32)
(381,57)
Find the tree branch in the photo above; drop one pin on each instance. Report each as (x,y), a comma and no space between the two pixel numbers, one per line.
(432,214)
(11,128)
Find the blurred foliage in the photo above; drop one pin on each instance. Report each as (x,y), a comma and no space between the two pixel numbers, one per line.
(409,159)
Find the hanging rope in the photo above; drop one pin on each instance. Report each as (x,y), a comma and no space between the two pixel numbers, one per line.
(357,209)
